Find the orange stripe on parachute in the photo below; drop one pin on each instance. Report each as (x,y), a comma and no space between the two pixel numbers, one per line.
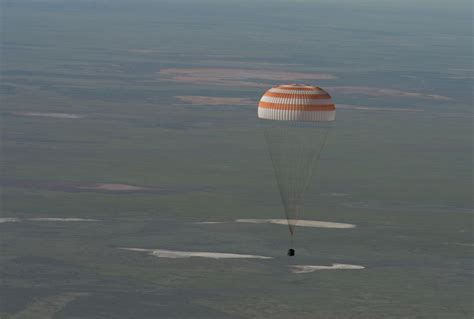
(298,96)
(297,107)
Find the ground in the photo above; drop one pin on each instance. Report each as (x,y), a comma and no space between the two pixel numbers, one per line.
(126,124)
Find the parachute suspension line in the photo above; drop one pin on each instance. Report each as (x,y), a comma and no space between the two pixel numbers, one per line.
(277,174)
(298,165)
(315,162)
(295,149)
(291,174)
(292,241)
(301,164)
(279,147)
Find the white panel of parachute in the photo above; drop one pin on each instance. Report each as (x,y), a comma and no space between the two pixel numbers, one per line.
(296,120)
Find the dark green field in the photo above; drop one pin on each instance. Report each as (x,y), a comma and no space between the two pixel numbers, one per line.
(90,95)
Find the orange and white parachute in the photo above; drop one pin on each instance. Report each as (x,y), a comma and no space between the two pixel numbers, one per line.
(296,120)
(297,102)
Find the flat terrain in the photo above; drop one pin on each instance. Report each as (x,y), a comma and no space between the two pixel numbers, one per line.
(132,124)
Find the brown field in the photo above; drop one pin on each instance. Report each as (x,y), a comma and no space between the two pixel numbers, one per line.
(236,77)
(52,115)
(73,186)
(370,108)
(378,92)
(210,100)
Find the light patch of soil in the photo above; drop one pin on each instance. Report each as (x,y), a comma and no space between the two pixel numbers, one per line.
(52,115)
(113,187)
(45,219)
(9,220)
(210,100)
(144,51)
(46,308)
(370,108)
(303,269)
(57,219)
(71,186)
(209,60)
(209,223)
(380,92)
(335,194)
(459,77)
(302,223)
(464,244)
(162,253)
(236,77)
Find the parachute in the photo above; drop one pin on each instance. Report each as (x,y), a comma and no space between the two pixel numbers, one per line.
(296,120)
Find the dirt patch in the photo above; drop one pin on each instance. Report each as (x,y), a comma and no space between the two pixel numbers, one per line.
(47,307)
(370,108)
(145,51)
(45,219)
(302,269)
(111,188)
(187,254)
(463,244)
(236,77)
(210,100)
(114,187)
(9,220)
(380,92)
(209,223)
(52,115)
(57,219)
(335,194)
(302,223)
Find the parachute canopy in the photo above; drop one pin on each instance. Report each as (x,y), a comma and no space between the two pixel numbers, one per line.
(297,102)
(296,120)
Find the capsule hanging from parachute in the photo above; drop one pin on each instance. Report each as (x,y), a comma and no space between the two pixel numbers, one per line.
(296,121)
